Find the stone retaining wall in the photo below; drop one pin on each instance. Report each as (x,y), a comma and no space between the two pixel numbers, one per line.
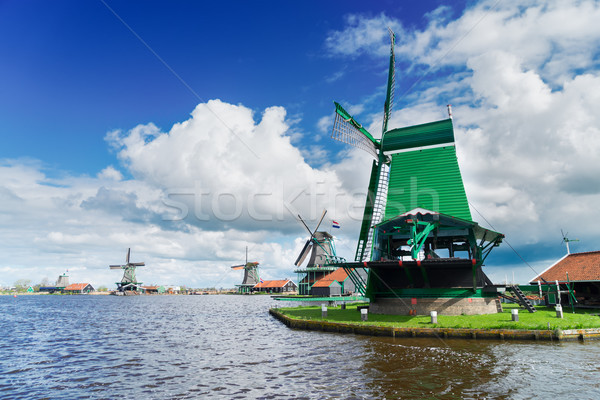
(443,306)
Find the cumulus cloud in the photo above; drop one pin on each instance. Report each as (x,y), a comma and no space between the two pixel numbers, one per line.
(200,193)
(110,173)
(243,175)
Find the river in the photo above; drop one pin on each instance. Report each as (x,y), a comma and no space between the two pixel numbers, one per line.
(187,347)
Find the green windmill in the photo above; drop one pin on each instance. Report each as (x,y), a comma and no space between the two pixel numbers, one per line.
(417,239)
(129,281)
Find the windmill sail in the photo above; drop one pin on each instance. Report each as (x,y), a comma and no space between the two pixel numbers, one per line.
(391,85)
(347,130)
(304,253)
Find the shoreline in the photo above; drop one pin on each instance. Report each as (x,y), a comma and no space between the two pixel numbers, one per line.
(445,333)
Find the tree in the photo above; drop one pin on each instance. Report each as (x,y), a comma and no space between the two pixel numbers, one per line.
(45,282)
(103,289)
(22,284)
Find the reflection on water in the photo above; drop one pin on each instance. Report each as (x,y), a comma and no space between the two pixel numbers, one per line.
(229,347)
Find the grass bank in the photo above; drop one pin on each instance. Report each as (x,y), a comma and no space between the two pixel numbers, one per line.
(544,319)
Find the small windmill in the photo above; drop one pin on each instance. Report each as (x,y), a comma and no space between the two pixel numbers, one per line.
(251,277)
(319,245)
(129,281)
(347,130)
(566,240)
(323,256)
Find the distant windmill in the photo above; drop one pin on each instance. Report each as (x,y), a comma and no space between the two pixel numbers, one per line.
(566,240)
(129,281)
(321,247)
(318,242)
(250,275)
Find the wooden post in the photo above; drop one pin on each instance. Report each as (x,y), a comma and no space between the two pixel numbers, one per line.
(515,315)
(323,311)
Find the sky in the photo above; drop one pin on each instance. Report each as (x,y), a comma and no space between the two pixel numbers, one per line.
(187,131)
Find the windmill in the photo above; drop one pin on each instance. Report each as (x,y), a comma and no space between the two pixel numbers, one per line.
(347,130)
(417,238)
(566,240)
(251,277)
(129,281)
(322,252)
(319,245)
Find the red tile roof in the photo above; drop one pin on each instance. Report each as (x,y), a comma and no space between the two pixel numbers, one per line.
(272,284)
(339,275)
(76,286)
(313,278)
(580,266)
(324,282)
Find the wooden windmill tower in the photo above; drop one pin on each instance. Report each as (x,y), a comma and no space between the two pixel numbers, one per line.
(129,281)
(251,277)
(417,239)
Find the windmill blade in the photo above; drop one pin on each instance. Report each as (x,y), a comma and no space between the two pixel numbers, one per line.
(306,226)
(252,264)
(304,253)
(238,267)
(115,266)
(138,264)
(347,130)
(391,85)
(319,224)
(128,253)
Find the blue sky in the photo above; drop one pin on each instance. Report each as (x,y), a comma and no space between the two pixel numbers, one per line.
(73,70)
(104,144)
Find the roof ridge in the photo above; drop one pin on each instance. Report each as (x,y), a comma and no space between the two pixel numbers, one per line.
(584,252)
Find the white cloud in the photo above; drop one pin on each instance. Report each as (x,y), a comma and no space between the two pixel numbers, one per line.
(110,173)
(243,175)
(554,37)
(325,124)
(363,35)
(86,223)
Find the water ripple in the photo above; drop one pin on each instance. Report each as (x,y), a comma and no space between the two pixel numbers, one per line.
(188,347)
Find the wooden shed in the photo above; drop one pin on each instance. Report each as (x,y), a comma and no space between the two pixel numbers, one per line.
(326,288)
(79,288)
(276,286)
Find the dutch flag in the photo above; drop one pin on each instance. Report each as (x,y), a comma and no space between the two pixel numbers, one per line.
(335,224)
(261,281)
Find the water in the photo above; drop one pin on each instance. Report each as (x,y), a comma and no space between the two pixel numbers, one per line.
(171,347)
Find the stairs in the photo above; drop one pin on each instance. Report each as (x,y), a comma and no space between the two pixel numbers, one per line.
(521,299)
(498,306)
(359,281)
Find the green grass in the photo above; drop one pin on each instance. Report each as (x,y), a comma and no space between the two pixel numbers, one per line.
(581,319)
